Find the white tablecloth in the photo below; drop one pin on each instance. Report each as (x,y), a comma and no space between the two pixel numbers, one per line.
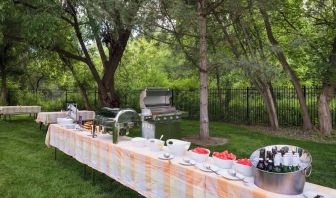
(9,110)
(51,117)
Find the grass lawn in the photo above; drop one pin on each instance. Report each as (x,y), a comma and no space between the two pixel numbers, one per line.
(27,167)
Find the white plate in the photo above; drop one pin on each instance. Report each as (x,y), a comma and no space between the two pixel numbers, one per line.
(225,173)
(191,162)
(161,156)
(202,167)
(312,194)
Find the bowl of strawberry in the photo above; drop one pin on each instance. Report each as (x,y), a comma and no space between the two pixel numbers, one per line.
(223,159)
(244,166)
(200,154)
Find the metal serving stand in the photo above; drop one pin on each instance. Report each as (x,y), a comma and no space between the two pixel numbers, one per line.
(115,121)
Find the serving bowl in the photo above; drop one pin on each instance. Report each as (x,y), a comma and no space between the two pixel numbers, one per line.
(243,169)
(139,142)
(177,147)
(155,145)
(198,157)
(222,163)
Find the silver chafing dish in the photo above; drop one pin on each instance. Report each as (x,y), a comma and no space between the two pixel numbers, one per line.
(115,121)
(289,183)
(158,116)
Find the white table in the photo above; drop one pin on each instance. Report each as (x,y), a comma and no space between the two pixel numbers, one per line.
(12,110)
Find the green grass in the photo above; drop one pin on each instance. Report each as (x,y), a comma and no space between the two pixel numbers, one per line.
(27,167)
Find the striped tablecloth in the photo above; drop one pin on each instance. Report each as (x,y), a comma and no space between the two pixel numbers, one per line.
(9,110)
(51,117)
(141,170)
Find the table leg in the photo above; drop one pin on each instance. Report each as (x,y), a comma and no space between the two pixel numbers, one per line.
(41,126)
(55,153)
(93,176)
(84,170)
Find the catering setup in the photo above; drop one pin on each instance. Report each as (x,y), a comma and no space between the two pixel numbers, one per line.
(157,168)
(72,113)
(14,110)
(159,164)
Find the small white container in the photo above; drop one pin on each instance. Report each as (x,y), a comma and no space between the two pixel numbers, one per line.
(222,163)
(243,169)
(177,147)
(199,157)
(155,145)
(139,142)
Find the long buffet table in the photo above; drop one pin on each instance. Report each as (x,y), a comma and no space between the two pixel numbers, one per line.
(142,170)
(14,110)
(9,110)
(51,117)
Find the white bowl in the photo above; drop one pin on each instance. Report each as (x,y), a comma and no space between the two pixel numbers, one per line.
(69,126)
(64,121)
(177,147)
(243,169)
(139,142)
(155,145)
(199,157)
(222,163)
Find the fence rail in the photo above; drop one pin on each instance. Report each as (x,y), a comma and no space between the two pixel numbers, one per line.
(229,105)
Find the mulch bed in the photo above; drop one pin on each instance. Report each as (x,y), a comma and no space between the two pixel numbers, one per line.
(211,141)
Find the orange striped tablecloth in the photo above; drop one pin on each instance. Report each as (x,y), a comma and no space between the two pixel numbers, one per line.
(141,170)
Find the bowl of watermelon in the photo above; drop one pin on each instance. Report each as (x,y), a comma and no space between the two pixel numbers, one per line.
(223,159)
(200,154)
(244,166)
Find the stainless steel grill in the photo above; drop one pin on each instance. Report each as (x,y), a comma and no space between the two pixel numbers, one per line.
(158,116)
(116,121)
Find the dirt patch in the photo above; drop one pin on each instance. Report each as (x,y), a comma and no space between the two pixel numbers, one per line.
(211,141)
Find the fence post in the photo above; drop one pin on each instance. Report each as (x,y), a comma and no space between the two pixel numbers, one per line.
(172,97)
(66,96)
(247,105)
(95,98)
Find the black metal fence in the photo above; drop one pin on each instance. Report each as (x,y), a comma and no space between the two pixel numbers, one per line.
(230,105)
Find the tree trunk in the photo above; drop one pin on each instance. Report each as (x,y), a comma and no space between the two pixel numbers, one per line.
(204,117)
(307,124)
(109,97)
(270,106)
(327,93)
(4,89)
(324,110)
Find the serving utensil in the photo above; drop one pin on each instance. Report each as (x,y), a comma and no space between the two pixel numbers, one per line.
(208,167)
(233,173)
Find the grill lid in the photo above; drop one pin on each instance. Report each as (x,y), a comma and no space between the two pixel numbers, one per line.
(155,97)
(108,112)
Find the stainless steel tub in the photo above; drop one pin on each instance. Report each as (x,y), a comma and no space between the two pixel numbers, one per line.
(291,183)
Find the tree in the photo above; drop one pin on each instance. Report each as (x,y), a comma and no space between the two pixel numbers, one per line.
(322,38)
(12,54)
(243,36)
(307,124)
(204,117)
(107,24)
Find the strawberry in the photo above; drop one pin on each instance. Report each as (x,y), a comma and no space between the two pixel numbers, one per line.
(225,155)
